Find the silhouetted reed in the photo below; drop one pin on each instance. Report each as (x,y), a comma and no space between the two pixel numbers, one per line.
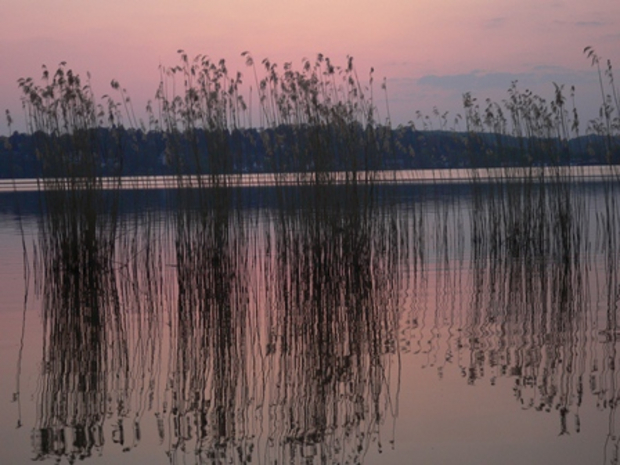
(607,124)
(80,226)
(203,120)
(534,209)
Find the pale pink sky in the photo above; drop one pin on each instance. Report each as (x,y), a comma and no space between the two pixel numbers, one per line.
(430,51)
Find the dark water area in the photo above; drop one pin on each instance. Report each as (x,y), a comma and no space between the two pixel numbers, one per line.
(461,323)
(30,203)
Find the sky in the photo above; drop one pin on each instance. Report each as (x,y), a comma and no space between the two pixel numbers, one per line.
(429,51)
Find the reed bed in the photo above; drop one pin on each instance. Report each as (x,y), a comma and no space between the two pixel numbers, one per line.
(291,322)
(81,252)
(322,123)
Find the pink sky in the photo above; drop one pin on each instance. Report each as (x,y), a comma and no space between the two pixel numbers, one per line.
(430,51)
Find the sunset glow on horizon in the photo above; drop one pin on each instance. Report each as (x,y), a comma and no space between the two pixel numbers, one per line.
(430,52)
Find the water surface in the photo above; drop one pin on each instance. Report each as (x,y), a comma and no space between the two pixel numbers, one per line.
(297,326)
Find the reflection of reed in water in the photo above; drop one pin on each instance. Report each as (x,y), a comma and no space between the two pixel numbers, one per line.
(332,329)
(99,347)
(604,378)
(529,214)
(214,386)
(541,304)
(534,313)
(312,332)
(532,322)
(80,314)
(530,315)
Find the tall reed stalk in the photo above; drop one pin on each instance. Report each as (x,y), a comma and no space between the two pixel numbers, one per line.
(80,227)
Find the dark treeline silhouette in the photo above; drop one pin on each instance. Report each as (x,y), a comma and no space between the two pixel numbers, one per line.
(269,150)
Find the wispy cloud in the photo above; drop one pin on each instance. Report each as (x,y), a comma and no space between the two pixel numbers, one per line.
(494,23)
(471,81)
(583,24)
(590,23)
(479,81)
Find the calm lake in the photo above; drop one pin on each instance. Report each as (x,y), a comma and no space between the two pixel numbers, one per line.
(467,322)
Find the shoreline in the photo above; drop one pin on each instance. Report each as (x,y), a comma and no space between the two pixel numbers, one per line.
(429,176)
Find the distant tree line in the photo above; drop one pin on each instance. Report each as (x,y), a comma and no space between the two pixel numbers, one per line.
(289,148)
